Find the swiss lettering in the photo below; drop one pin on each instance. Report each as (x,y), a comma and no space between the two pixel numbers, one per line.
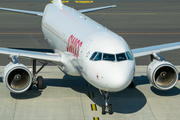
(73,45)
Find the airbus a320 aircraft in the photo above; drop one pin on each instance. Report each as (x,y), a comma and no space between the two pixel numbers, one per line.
(82,47)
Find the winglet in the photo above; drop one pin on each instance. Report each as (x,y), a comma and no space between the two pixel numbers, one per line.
(58,3)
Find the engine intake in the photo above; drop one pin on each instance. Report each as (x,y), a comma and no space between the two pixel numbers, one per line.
(17,77)
(162,75)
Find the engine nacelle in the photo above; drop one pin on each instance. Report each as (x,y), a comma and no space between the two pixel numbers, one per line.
(17,77)
(162,75)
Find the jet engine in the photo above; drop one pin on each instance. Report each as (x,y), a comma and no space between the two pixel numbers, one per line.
(162,74)
(17,77)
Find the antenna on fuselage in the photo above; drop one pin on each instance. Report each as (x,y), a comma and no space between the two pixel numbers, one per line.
(58,3)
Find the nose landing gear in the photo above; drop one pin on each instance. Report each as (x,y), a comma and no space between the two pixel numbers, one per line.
(106,108)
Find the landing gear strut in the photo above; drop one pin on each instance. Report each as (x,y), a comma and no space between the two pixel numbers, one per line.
(39,81)
(106,108)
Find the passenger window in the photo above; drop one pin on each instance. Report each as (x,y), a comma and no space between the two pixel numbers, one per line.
(93,55)
(98,57)
(121,57)
(109,57)
(130,57)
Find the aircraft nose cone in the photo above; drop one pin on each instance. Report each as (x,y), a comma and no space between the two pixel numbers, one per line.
(118,78)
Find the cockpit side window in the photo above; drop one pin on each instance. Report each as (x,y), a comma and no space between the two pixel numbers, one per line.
(108,57)
(129,56)
(98,57)
(93,55)
(121,57)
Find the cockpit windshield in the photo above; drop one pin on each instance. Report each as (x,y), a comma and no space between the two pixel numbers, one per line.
(93,55)
(121,57)
(108,57)
(97,56)
(129,56)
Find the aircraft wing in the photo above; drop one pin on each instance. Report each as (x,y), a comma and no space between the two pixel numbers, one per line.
(23,11)
(49,57)
(41,13)
(155,49)
(95,9)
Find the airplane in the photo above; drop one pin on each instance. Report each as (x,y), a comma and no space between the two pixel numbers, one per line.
(83,47)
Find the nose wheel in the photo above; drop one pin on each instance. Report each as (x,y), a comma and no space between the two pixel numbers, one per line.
(106,108)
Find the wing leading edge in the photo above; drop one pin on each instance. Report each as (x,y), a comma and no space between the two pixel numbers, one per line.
(155,49)
(23,11)
(95,9)
(48,57)
(56,2)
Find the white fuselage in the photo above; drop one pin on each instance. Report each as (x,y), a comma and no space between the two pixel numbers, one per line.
(77,38)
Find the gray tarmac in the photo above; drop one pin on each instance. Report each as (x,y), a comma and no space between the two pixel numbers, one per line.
(65,97)
(140,23)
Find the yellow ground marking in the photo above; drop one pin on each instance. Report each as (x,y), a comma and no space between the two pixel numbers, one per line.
(83,1)
(93,107)
(95,118)
(91,95)
(89,85)
(65,1)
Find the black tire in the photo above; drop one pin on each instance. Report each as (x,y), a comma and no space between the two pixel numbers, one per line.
(30,88)
(103,109)
(40,82)
(132,84)
(110,109)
